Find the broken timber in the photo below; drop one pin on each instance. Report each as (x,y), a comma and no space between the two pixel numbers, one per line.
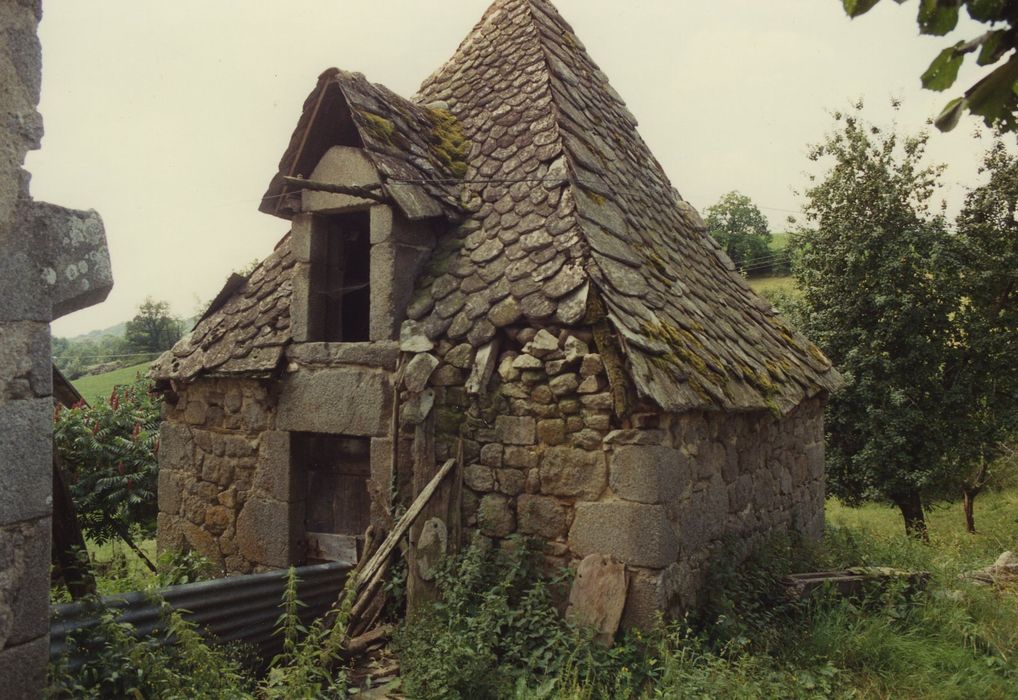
(855,582)
(402,526)
(369,577)
(363,191)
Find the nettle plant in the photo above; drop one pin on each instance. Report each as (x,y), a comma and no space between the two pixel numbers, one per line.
(109,451)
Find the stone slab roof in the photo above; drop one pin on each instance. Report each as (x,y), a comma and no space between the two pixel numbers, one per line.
(247,335)
(566,193)
(564,212)
(409,144)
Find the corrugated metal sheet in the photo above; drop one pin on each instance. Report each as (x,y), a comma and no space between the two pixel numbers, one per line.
(236,608)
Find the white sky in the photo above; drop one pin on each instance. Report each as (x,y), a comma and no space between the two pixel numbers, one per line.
(169,118)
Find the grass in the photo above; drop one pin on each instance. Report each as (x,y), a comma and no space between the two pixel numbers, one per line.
(499,636)
(98,386)
(951,549)
(118,568)
(779,241)
(952,640)
(761,285)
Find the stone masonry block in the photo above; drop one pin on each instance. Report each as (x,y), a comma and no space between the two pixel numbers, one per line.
(387,224)
(516,430)
(26,369)
(541,515)
(78,274)
(340,165)
(634,533)
(304,242)
(57,264)
(495,515)
(274,478)
(649,474)
(566,471)
(301,324)
(26,449)
(24,581)
(23,669)
(265,534)
(170,491)
(643,601)
(382,354)
(394,267)
(381,463)
(176,446)
(340,401)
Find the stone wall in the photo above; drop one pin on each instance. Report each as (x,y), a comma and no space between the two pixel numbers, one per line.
(52,261)
(700,486)
(209,490)
(545,457)
(228,487)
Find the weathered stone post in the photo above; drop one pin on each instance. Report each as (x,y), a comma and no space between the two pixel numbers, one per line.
(52,261)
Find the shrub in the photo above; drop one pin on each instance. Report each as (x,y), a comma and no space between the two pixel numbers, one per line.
(117,664)
(110,451)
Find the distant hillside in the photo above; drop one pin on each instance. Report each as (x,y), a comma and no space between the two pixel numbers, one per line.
(117,330)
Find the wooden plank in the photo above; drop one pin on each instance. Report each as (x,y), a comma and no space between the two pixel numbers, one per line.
(372,566)
(328,546)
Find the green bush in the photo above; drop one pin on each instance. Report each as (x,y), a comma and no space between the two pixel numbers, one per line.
(177,662)
(496,631)
(120,665)
(110,451)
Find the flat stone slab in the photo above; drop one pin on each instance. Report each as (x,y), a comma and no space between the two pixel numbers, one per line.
(598,595)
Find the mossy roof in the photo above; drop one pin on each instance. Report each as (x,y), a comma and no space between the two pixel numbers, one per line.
(419,152)
(553,198)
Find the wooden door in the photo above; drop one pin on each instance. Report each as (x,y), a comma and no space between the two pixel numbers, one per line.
(337,502)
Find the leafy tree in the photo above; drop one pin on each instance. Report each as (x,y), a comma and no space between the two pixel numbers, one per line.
(995,96)
(982,372)
(740,229)
(878,297)
(110,451)
(75,357)
(153,329)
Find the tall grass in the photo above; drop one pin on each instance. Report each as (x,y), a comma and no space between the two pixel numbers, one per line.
(951,640)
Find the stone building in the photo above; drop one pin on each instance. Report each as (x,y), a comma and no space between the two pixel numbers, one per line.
(496,271)
(52,261)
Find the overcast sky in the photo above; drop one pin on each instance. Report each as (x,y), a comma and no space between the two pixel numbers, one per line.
(170,118)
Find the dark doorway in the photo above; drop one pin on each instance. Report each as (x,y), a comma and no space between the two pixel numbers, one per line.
(335,472)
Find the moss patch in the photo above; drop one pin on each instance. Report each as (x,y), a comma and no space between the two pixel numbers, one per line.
(380,128)
(448,143)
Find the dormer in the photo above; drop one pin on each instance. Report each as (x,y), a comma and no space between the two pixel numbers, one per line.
(358,257)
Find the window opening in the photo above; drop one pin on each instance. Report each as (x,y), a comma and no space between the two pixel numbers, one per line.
(341,280)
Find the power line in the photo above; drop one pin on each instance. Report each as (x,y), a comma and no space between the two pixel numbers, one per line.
(105,357)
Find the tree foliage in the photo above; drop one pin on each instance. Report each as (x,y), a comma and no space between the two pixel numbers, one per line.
(75,357)
(982,372)
(878,297)
(153,329)
(740,229)
(110,451)
(995,96)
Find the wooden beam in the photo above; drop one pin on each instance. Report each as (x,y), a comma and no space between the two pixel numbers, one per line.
(362,191)
(373,565)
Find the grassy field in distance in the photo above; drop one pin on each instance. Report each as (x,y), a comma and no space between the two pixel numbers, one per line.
(101,385)
(765,284)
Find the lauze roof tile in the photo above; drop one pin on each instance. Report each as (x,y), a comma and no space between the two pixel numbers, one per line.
(552,198)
